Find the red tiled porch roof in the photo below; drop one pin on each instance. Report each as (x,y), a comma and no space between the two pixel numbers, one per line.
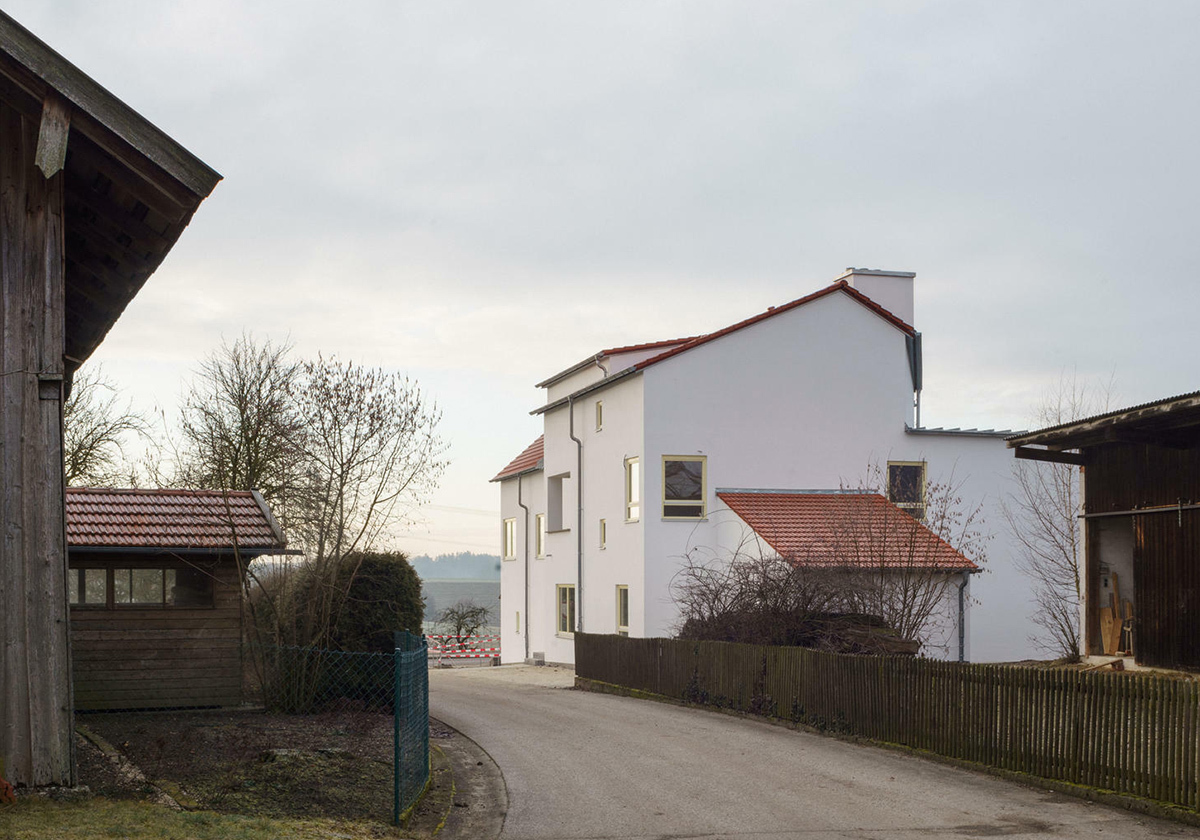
(530,459)
(843,530)
(99,517)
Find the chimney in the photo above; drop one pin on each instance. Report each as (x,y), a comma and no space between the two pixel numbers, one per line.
(893,290)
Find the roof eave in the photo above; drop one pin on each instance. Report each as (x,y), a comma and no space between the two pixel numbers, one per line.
(587,389)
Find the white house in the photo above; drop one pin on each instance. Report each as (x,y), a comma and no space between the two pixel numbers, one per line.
(642,444)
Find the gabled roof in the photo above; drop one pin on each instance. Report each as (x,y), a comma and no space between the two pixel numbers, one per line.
(99,517)
(129,189)
(674,349)
(530,460)
(842,530)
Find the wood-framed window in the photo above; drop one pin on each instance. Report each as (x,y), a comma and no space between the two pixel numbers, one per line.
(140,586)
(906,486)
(622,610)
(684,487)
(599,415)
(539,522)
(633,489)
(510,539)
(566,608)
(603,533)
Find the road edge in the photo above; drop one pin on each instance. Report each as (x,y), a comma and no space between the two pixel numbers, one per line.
(480,793)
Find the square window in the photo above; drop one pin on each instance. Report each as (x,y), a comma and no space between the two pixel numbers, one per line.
(906,486)
(683,486)
(510,539)
(622,610)
(89,587)
(566,608)
(633,489)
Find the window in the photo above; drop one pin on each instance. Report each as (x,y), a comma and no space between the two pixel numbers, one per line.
(683,486)
(510,539)
(906,486)
(566,608)
(603,533)
(540,524)
(89,587)
(633,490)
(622,610)
(518,621)
(141,587)
(554,502)
(599,415)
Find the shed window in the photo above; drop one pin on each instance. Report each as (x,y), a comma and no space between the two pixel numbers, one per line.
(89,587)
(141,587)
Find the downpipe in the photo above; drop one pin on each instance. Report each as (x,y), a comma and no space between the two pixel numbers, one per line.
(525,541)
(578,517)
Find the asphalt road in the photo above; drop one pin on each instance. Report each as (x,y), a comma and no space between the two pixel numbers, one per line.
(583,765)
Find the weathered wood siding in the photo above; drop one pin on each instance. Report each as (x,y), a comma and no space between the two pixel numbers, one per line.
(156,657)
(36,738)
(1123,477)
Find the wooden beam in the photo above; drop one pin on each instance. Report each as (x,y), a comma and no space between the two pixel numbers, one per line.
(1028,454)
(51,154)
(1161,439)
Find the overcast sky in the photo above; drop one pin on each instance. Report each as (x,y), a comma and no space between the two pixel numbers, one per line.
(481,194)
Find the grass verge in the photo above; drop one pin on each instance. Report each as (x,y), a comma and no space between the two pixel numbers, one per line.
(39,819)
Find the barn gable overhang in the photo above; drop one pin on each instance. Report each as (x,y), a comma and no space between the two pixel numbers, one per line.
(1171,423)
(129,189)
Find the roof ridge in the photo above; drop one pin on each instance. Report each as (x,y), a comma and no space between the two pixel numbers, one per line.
(160,491)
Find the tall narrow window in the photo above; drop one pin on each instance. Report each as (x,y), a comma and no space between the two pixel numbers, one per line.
(540,522)
(566,608)
(510,539)
(622,610)
(633,489)
(906,486)
(603,533)
(683,486)
(599,415)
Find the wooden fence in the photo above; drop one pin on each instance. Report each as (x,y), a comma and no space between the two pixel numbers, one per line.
(1128,732)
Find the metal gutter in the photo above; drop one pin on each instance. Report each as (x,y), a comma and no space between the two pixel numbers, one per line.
(587,389)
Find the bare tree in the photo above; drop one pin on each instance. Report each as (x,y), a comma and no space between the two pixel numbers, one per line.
(1042,515)
(871,578)
(96,429)
(464,618)
(901,568)
(240,427)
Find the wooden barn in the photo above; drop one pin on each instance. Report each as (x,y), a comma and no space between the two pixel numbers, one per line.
(93,198)
(155,590)
(1140,478)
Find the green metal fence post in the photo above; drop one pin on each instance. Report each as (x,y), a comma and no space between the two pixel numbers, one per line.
(397,660)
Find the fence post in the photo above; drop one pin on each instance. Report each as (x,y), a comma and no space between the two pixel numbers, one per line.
(396,662)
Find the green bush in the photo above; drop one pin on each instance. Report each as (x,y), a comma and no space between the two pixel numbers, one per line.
(384,596)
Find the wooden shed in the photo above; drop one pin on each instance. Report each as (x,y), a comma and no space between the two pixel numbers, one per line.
(155,587)
(1140,474)
(93,198)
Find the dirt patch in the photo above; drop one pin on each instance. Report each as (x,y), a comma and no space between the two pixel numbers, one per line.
(333,765)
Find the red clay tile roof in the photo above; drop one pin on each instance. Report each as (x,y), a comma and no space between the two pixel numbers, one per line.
(650,345)
(839,286)
(843,530)
(527,461)
(170,519)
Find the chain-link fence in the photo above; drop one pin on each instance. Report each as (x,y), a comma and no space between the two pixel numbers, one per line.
(305,680)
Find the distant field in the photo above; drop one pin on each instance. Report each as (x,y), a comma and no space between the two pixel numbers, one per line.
(440,594)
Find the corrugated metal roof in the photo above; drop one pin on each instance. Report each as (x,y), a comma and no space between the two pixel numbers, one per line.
(529,460)
(839,529)
(954,430)
(1192,395)
(170,519)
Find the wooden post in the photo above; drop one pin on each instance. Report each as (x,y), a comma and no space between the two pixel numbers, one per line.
(36,741)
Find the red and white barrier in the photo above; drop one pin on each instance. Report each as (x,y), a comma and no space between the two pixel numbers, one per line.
(442,646)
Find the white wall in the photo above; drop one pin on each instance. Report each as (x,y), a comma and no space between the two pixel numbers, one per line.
(807,399)
(532,488)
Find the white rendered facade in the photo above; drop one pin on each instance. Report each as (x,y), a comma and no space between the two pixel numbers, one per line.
(806,397)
